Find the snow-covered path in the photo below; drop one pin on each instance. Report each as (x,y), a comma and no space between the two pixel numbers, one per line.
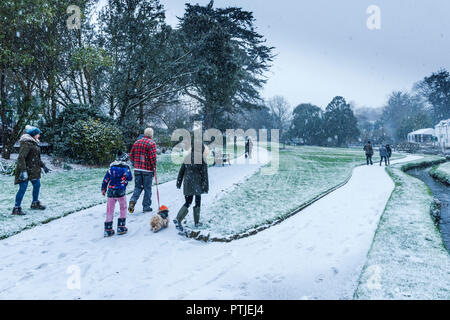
(317,253)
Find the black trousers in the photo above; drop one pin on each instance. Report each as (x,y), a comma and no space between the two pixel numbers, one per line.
(385,160)
(369,158)
(198,200)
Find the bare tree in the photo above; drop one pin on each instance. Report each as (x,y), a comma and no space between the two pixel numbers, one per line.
(281,112)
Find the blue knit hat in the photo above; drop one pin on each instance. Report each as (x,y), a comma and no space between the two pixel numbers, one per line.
(32,131)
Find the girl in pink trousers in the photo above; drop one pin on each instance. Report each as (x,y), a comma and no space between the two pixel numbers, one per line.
(114,186)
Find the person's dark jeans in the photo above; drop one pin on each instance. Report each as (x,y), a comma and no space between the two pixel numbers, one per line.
(23,188)
(385,160)
(198,200)
(369,159)
(143,182)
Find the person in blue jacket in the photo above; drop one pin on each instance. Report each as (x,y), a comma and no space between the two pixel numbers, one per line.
(114,186)
(383,155)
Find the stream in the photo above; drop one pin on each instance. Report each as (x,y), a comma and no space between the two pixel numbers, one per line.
(441,192)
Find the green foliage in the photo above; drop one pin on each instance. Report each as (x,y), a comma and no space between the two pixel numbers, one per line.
(436,89)
(132,32)
(340,123)
(229,57)
(402,114)
(131,130)
(90,58)
(93,141)
(307,125)
(56,132)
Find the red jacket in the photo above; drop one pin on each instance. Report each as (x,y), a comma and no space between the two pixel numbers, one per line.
(143,154)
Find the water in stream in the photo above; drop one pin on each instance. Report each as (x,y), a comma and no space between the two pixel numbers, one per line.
(441,192)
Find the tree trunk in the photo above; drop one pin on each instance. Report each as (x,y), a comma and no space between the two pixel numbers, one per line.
(111,106)
(141,105)
(20,124)
(87,76)
(141,113)
(6,153)
(53,107)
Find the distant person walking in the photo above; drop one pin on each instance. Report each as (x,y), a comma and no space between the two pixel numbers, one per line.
(194,177)
(29,165)
(383,154)
(143,158)
(369,152)
(389,154)
(248,148)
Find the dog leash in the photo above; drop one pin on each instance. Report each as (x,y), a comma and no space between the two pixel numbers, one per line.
(157,191)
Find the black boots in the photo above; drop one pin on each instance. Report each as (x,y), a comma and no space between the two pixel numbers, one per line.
(197,217)
(121,229)
(180,216)
(109,231)
(36,205)
(18,211)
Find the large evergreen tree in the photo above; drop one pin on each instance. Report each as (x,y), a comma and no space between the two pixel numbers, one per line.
(436,89)
(340,123)
(404,113)
(307,124)
(145,71)
(229,58)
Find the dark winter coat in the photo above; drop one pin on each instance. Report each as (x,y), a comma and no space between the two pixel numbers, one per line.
(383,152)
(193,176)
(248,147)
(29,159)
(116,179)
(368,149)
(389,151)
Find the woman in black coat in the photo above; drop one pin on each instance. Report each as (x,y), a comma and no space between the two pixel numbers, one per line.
(195,183)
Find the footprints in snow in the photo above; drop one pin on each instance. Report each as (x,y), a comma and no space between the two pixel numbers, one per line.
(273,278)
(61,255)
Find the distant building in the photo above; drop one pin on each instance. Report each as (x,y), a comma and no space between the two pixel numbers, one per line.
(422,136)
(442,132)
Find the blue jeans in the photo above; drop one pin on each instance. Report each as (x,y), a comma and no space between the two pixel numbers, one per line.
(143,182)
(23,188)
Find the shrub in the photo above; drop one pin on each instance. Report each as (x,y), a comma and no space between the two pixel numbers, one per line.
(57,132)
(94,142)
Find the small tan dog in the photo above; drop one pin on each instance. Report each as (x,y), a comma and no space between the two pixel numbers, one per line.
(160,219)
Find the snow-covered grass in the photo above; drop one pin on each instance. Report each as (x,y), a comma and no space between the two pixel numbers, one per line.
(304,173)
(407,259)
(441,173)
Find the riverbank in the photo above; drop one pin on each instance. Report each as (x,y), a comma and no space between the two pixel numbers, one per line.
(407,259)
(441,193)
(441,173)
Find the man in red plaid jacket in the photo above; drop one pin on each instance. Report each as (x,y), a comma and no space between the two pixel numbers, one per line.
(143,158)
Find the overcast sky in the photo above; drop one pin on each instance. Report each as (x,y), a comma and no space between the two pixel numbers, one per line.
(324,47)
